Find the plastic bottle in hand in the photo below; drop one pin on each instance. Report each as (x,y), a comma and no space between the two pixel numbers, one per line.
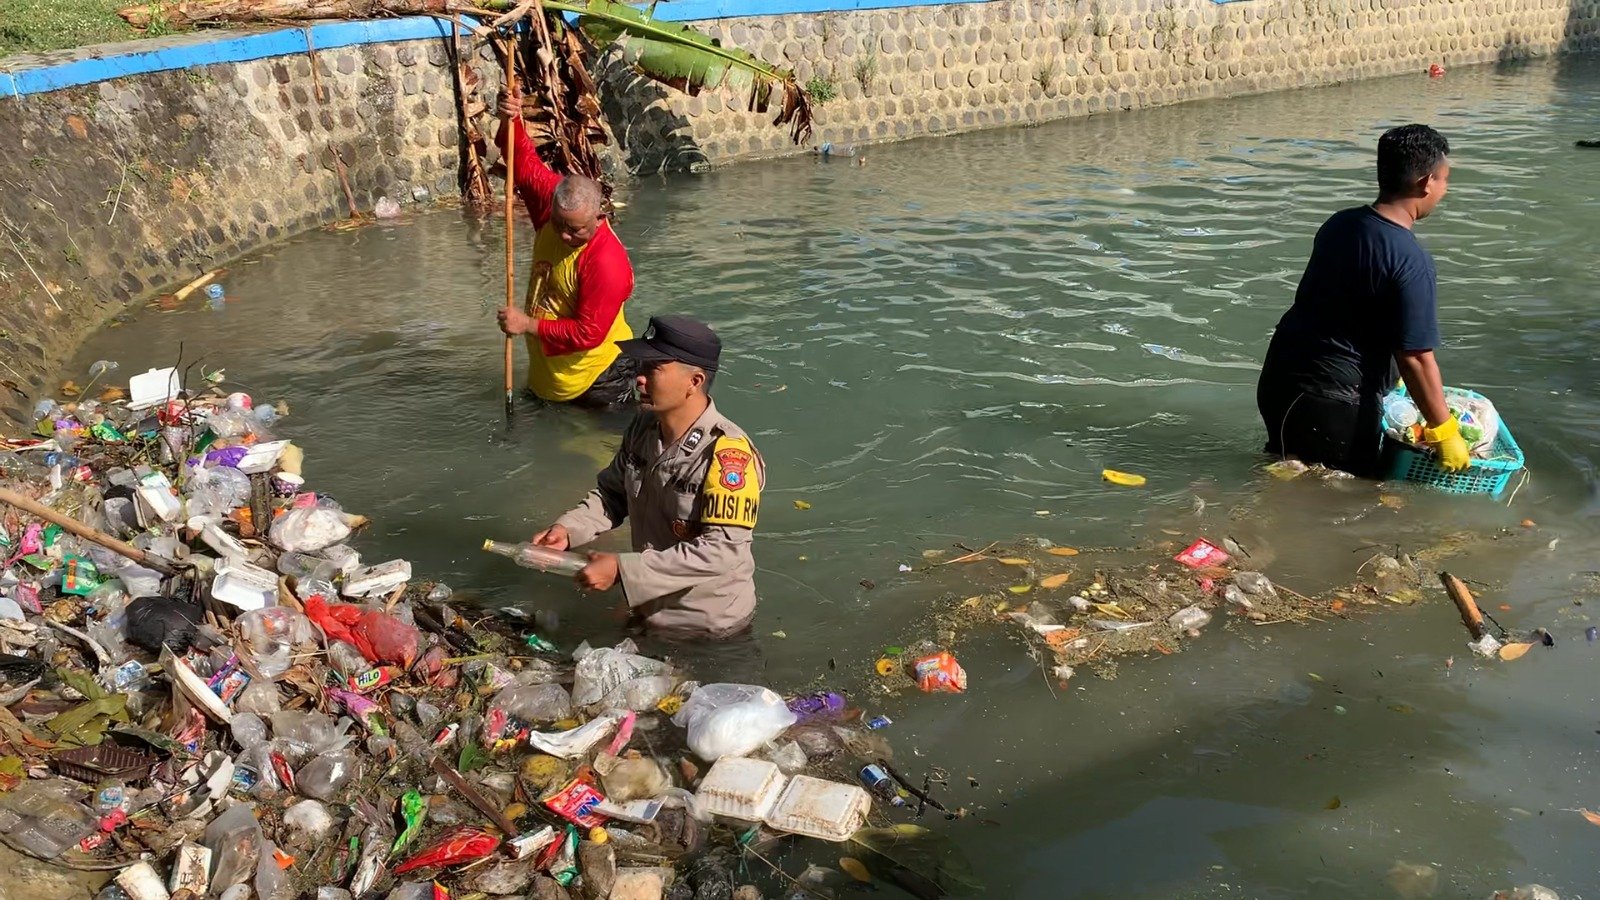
(543,559)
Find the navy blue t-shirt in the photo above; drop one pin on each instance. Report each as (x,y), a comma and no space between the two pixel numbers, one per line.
(1369,292)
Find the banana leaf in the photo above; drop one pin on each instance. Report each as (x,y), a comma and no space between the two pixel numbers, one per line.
(920,862)
(689,60)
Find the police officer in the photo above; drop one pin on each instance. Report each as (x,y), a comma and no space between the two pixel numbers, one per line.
(688,481)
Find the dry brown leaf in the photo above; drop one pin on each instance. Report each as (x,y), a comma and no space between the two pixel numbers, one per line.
(1591,815)
(1012,561)
(972,602)
(1515,651)
(1062,551)
(855,868)
(932,554)
(1051,582)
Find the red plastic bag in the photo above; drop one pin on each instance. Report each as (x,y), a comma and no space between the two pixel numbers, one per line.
(461,844)
(379,636)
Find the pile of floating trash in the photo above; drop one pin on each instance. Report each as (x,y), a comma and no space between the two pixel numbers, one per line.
(205,690)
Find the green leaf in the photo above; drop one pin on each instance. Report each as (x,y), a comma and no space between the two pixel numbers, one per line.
(691,61)
(82,682)
(472,757)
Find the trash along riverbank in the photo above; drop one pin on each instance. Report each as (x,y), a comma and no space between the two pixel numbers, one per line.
(206,691)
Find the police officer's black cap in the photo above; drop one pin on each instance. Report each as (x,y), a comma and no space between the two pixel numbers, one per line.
(680,338)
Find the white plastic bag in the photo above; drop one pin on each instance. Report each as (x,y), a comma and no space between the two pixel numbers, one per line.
(732,719)
(305,530)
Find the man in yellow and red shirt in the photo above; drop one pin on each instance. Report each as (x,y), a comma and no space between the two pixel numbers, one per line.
(577,321)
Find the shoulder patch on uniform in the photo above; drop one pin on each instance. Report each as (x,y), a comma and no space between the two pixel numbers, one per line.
(732,489)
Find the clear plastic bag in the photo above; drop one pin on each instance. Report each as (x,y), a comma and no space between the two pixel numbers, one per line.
(236,841)
(304,733)
(270,636)
(601,672)
(733,719)
(324,777)
(216,491)
(534,703)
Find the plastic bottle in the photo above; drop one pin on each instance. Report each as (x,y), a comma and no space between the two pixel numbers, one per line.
(878,782)
(543,559)
(831,149)
(214,291)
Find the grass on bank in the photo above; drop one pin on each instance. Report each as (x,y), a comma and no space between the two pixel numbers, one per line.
(34,26)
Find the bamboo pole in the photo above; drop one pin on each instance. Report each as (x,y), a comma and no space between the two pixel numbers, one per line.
(35,508)
(1471,616)
(511,197)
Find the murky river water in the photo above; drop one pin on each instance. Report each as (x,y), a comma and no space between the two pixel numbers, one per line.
(945,343)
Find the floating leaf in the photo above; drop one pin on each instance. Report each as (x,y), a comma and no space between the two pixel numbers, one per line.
(1012,561)
(1051,582)
(932,554)
(1392,501)
(801,504)
(1591,815)
(1336,605)
(1335,803)
(1313,676)
(1020,588)
(1401,708)
(1062,551)
(855,868)
(779,634)
(1515,650)
(972,602)
(1126,479)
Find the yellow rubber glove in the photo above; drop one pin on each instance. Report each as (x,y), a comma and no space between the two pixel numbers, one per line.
(1450,445)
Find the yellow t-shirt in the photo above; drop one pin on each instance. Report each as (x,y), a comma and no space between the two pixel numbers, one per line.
(562,378)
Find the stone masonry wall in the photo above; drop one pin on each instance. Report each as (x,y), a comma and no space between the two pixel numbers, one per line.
(119,190)
(901,73)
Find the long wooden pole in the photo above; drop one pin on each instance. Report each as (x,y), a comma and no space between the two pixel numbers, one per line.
(511,196)
(35,508)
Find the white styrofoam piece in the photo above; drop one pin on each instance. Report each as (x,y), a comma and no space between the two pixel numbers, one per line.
(739,787)
(153,388)
(383,577)
(262,457)
(826,810)
(244,585)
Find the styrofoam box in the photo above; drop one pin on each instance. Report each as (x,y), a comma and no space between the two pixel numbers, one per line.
(244,585)
(385,577)
(827,810)
(740,788)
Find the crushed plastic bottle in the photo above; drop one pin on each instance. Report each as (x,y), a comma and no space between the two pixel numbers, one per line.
(1190,618)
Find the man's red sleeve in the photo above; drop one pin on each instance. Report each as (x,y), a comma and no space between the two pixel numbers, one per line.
(605,279)
(536,183)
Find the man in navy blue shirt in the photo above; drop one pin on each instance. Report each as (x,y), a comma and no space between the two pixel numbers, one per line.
(1366,312)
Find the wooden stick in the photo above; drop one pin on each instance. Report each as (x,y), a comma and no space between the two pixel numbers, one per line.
(511,197)
(34,507)
(1471,616)
(483,805)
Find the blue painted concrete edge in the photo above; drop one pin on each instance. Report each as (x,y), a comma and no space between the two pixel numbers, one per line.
(204,50)
(225,48)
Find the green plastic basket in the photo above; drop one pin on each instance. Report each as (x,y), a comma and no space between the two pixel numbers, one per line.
(1489,476)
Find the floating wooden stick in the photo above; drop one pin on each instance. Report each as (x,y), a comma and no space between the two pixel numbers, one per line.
(1471,616)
